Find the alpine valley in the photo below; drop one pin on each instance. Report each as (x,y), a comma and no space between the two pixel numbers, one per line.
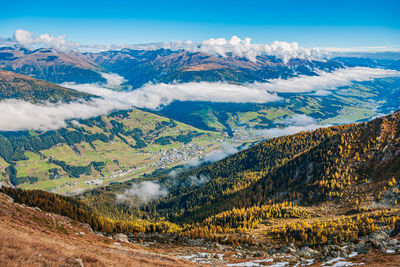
(216,153)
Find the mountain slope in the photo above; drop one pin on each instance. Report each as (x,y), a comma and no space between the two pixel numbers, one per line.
(141,66)
(29,236)
(89,152)
(98,151)
(17,86)
(51,65)
(348,163)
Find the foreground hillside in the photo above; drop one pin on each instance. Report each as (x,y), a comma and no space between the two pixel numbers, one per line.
(378,248)
(29,236)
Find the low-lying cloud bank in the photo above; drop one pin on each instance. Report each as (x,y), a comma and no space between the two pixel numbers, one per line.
(154,96)
(291,125)
(289,130)
(21,115)
(225,151)
(326,80)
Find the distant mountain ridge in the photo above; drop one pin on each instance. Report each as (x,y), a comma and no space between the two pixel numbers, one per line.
(167,66)
(18,86)
(50,64)
(142,66)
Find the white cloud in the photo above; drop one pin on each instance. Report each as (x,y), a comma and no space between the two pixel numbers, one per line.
(219,46)
(20,115)
(225,151)
(113,80)
(322,92)
(361,49)
(244,48)
(299,120)
(27,39)
(154,96)
(196,181)
(238,47)
(23,37)
(143,192)
(325,80)
(293,129)
(294,124)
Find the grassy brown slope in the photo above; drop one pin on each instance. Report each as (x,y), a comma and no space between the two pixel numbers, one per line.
(30,236)
(14,85)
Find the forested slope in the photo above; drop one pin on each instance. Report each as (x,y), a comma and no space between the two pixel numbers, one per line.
(349,163)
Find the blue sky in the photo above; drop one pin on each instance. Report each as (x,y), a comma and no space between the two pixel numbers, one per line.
(311,23)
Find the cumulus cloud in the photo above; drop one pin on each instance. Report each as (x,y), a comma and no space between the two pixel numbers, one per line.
(27,39)
(142,192)
(235,46)
(325,80)
(242,48)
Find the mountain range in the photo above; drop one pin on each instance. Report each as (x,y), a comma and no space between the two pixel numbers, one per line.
(311,174)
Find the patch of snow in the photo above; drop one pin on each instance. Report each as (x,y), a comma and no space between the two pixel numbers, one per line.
(338,262)
(353,254)
(257,263)
(334,260)
(343,263)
